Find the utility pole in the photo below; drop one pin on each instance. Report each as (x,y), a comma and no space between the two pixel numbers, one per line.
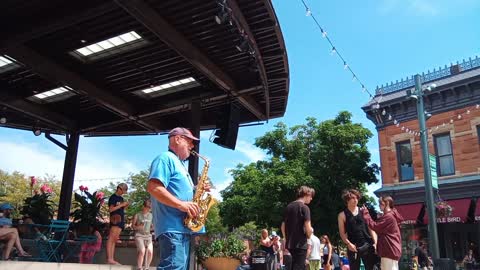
(432,220)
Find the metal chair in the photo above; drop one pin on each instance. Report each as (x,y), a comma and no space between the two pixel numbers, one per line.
(55,236)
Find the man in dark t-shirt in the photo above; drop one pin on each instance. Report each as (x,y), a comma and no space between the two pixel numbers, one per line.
(296,227)
(421,256)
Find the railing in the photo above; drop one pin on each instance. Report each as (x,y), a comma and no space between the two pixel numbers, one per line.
(429,76)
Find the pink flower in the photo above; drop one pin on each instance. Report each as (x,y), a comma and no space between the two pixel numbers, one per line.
(45,189)
(82,188)
(33,181)
(85,188)
(100,195)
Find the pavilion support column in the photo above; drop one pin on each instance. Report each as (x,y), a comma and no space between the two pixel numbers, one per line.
(193,166)
(195,128)
(68,176)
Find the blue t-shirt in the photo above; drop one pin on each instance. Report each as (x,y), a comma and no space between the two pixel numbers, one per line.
(173,173)
(116,200)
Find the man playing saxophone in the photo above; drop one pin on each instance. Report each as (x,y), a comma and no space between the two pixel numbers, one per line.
(171,189)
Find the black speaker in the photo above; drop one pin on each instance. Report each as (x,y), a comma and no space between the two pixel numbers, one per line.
(227,127)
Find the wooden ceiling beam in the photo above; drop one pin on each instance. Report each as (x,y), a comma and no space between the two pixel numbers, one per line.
(38,112)
(238,15)
(60,21)
(175,105)
(146,15)
(58,74)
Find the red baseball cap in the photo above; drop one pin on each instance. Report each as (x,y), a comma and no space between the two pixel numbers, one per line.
(182,132)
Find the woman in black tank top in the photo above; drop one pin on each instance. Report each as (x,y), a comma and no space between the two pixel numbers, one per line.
(355,233)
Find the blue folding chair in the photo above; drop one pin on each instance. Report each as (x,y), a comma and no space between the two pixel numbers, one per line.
(50,245)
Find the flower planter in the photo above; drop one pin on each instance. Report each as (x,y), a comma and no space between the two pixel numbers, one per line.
(221,263)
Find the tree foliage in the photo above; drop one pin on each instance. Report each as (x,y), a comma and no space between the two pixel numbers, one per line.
(15,188)
(329,156)
(214,224)
(137,191)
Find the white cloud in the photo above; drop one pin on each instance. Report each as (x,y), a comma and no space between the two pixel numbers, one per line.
(252,152)
(219,187)
(205,135)
(32,159)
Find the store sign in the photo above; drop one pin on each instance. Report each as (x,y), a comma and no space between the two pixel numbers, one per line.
(410,221)
(449,220)
(433,170)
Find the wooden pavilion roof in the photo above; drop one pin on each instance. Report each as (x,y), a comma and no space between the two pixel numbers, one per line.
(240,61)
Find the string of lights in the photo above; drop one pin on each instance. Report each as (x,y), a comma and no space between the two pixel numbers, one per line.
(376,99)
(120,178)
(334,50)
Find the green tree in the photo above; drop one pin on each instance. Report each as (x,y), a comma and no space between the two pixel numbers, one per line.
(15,188)
(137,191)
(329,156)
(214,223)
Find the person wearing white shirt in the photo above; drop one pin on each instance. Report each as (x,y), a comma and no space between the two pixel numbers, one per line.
(314,253)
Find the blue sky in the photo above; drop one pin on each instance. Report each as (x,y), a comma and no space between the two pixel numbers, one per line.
(382,41)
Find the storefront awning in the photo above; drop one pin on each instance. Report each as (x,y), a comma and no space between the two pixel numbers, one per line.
(409,212)
(459,213)
(414,213)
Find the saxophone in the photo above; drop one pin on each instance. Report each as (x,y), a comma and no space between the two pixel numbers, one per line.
(203,199)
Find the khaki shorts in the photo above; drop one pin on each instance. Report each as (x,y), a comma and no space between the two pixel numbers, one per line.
(314,265)
(143,241)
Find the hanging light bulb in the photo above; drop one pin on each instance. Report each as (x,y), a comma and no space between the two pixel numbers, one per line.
(345,65)
(354,78)
(37,132)
(384,112)
(308,12)
(406,129)
(389,117)
(364,89)
(459,116)
(468,111)
(395,121)
(451,121)
(3,120)
(333,51)
(477,106)
(324,33)
(403,128)
(397,124)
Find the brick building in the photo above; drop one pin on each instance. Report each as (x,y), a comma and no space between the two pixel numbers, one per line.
(453,126)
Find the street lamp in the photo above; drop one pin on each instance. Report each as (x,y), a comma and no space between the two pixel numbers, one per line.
(432,224)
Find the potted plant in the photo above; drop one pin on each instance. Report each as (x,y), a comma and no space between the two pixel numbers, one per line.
(39,207)
(443,209)
(220,252)
(86,215)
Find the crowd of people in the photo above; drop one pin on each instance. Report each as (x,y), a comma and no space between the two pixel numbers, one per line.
(376,243)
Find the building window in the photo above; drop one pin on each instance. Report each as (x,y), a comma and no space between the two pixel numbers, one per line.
(478,133)
(443,148)
(405,163)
